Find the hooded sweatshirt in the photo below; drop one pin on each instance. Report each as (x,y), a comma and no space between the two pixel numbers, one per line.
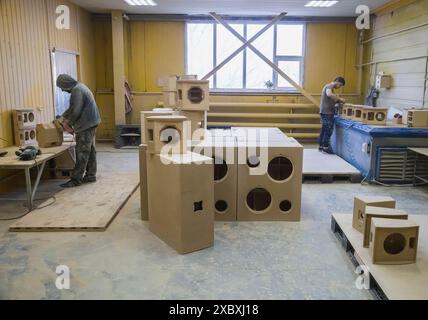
(83,112)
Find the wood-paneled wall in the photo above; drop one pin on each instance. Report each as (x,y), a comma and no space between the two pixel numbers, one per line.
(402,55)
(154,49)
(27,34)
(25,72)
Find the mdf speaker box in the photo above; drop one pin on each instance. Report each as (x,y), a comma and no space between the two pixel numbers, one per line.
(25,137)
(169,99)
(193,95)
(347,111)
(143,183)
(357,113)
(275,195)
(181,200)
(223,151)
(375,116)
(258,134)
(198,120)
(393,241)
(378,212)
(360,205)
(49,135)
(24,119)
(166,130)
(168,84)
(146,114)
(417,118)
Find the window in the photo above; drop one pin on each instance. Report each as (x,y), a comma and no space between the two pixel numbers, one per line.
(209,44)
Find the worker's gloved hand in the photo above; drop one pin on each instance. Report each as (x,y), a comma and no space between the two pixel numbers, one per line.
(64,124)
(28,153)
(67,127)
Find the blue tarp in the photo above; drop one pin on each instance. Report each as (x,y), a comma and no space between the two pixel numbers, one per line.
(376,131)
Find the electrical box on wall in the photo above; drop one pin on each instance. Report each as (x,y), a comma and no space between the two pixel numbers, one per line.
(383,81)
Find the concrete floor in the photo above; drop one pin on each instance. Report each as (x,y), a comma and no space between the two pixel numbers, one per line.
(249,260)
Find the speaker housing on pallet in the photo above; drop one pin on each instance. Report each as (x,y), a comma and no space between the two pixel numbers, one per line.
(393,241)
(362,202)
(379,212)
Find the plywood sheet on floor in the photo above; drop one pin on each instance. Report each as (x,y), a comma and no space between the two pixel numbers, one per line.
(398,282)
(315,162)
(91,207)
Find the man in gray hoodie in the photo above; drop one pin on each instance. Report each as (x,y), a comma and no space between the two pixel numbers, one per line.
(83,116)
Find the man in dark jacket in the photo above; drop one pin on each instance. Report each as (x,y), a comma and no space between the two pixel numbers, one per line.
(83,116)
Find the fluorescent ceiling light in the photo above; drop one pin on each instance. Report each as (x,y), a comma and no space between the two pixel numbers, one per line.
(321,4)
(141,2)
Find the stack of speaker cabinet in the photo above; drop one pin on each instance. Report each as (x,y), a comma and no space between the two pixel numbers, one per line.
(365,114)
(248,174)
(387,232)
(180,184)
(24,124)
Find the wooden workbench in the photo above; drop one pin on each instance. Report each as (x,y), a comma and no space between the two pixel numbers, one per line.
(11,162)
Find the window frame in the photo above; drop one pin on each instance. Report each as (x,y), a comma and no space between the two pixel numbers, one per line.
(276,58)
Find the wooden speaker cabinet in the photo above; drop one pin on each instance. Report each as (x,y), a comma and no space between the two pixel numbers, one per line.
(393,241)
(166,130)
(417,118)
(49,135)
(224,153)
(143,183)
(378,212)
(274,194)
(347,111)
(357,113)
(360,205)
(198,120)
(193,95)
(24,119)
(181,200)
(146,114)
(375,116)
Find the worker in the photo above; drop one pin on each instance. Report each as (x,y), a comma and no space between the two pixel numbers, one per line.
(83,118)
(327,110)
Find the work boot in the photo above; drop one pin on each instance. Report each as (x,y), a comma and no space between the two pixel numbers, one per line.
(70,184)
(328,150)
(87,179)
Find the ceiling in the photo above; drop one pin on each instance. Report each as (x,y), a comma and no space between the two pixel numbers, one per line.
(345,8)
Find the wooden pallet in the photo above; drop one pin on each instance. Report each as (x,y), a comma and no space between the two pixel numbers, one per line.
(387,282)
(331,178)
(328,168)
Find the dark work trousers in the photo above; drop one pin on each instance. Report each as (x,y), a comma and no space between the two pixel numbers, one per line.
(86,155)
(327,121)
